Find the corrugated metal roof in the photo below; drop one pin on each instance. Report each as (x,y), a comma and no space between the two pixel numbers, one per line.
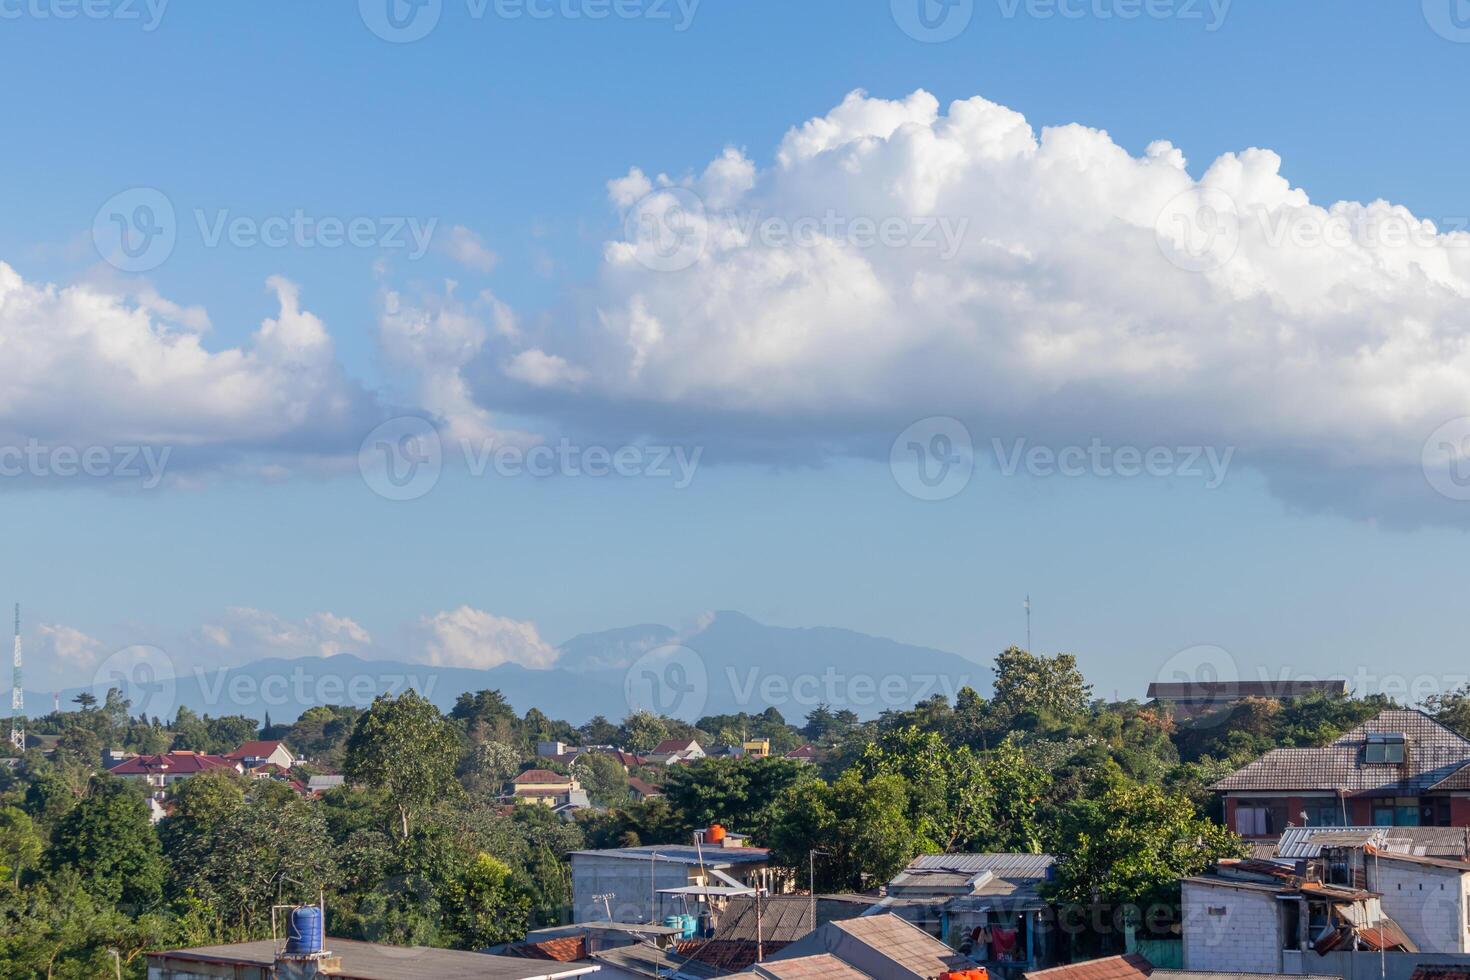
(684,854)
(1299,842)
(1011,865)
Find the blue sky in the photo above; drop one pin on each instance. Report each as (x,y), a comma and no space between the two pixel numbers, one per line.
(1319,553)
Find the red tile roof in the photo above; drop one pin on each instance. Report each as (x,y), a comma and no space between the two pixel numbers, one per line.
(541,776)
(255,750)
(563,949)
(171,763)
(1130,967)
(643,787)
(807,751)
(671,745)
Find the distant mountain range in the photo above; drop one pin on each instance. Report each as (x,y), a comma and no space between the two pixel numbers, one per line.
(728,663)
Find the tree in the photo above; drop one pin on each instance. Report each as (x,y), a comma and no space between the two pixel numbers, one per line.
(950,801)
(1027,683)
(1017,788)
(863,826)
(484,905)
(489,765)
(598,731)
(1133,845)
(107,838)
(20,844)
(642,730)
(404,746)
(602,776)
(741,793)
(86,700)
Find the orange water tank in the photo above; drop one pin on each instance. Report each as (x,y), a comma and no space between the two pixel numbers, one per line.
(716,834)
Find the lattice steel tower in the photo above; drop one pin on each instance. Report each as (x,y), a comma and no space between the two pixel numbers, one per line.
(17,696)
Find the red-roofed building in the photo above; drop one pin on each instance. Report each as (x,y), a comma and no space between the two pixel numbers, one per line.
(162,771)
(804,753)
(252,755)
(672,750)
(642,789)
(547,788)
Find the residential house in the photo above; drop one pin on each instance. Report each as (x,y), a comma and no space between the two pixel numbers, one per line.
(253,755)
(803,753)
(262,960)
(645,884)
(1400,769)
(882,946)
(1263,917)
(988,906)
(1192,698)
(320,784)
(161,772)
(757,748)
(642,790)
(546,749)
(547,788)
(672,750)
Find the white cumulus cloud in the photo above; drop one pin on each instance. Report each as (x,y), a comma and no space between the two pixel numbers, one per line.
(896,261)
(86,366)
(468,637)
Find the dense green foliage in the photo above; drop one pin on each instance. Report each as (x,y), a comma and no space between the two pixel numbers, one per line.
(421,846)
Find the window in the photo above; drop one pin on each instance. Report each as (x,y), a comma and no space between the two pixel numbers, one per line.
(1384,749)
(1252,821)
(1323,814)
(1401,812)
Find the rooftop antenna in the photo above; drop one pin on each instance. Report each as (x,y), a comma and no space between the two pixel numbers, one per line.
(17,696)
(1028,624)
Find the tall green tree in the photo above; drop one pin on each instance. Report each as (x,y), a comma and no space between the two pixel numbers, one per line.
(1028,683)
(108,839)
(1132,845)
(405,746)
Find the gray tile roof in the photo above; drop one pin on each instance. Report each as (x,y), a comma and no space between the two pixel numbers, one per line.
(1434,753)
(783,919)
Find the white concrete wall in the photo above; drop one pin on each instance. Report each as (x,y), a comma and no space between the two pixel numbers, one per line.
(1245,939)
(1428,902)
(628,881)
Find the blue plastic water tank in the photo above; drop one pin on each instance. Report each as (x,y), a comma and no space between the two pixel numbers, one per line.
(304,931)
(688,924)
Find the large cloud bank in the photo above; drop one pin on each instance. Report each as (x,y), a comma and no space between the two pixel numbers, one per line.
(894,262)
